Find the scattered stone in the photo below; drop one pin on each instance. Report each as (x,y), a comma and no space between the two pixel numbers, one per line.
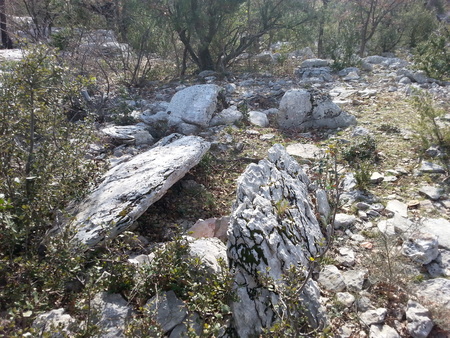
(168,310)
(397,207)
(315,63)
(258,119)
(421,247)
(135,135)
(111,314)
(383,331)
(331,278)
(363,303)
(431,192)
(435,293)
(414,204)
(354,279)
(371,317)
(211,227)
(344,221)
(419,322)
(440,267)
(346,257)
(305,150)
(55,324)
(267,137)
(359,131)
(429,167)
(345,298)
(131,187)
(211,251)
(376,177)
(227,116)
(323,207)
(352,76)
(439,227)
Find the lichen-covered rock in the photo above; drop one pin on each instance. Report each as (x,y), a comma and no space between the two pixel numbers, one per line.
(272,227)
(130,188)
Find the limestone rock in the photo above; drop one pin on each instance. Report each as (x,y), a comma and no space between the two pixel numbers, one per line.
(211,227)
(136,135)
(431,192)
(354,279)
(439,227)
(421,247)
(111,314)
(193,105)
(331,278)
(346,257)
(226,117)
(376,316)
(419,322)
(345,298)
(435,293)
(344,221)
(397,207)
(383,331)
(440,267)
(130,188)
(304,150)
(272,227)
(258,119)
(168,309)
(56,323)
(430,167)
(210,251)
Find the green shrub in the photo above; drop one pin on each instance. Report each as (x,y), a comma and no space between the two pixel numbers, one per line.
(433,55)
(42,156)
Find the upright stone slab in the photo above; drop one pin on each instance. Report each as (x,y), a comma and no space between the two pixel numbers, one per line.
(131,187)
(272,227)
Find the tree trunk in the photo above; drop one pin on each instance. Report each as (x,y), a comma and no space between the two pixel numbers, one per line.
(6,41)
(205,59)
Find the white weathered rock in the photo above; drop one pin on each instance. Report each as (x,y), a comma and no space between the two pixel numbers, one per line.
(376,177)
(331,278)
(419,322)
(136,135)
(354,279)
(323,207)
(430,167)
(315,63)
(211,227)
(305,150)
(193,105)
(258,118)
(55,323)
(210,251)
(439,227)
(440,267)
(226,117)
(431,192)
(344,221)
(352,76)
(130,188)
(301,110)
(421,247)
(272,227)
(376,316)
(383,331)
(346,257)
(345,298)
(397,207)
(434,293)
(111,313)
(168,309)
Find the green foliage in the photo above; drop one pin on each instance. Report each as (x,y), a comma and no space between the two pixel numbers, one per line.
(42,164)
(433,55)
(361,149)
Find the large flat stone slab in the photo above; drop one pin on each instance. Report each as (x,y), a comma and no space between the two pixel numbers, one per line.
(131,187)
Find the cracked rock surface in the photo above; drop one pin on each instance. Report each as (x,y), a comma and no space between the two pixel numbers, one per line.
(272,227)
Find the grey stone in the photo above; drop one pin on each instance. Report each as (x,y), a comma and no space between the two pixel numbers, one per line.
(55,323)
(130,188)
(376,177)
(226,117)
(323,207)
(440,267)
(360,131)
(272,227)
(344,221)
(422,248)
(210,251)
(404,80)
(305,150)
(419,322)
(429,167)
(434,293)
(363,303)
(346,257)
(331,278)
(352,76)
(193,105)
(346,71)
(397,207)
(258,119)
(111,314)
(439,227)
(192,322)
(345,298)
(315,63)
(431,192)
(375,59)
(383,331)
(376,316)
(136,135)
(168,309)
(354,279)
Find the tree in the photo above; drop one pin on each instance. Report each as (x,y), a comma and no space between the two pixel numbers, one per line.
(370,14)
(6,40)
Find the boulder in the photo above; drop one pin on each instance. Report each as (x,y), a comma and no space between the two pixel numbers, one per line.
(168,310)
(129,188)
(210,251)
(258,118)
(419,322)
(272,228)
(136,135)
(55,324)
(421,247)
(301,109)
(435,293)
(194,105)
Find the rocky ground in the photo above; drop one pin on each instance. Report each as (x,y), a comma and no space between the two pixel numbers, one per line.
(386,271)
